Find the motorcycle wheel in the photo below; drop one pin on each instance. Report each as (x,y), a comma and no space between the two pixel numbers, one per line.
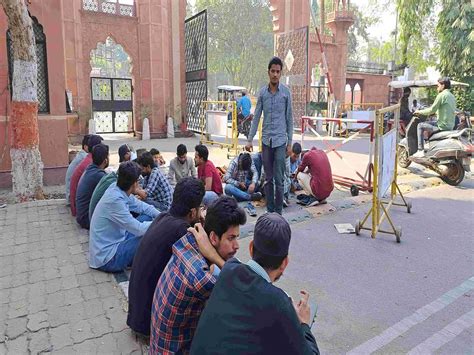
(403,160)
(455,174)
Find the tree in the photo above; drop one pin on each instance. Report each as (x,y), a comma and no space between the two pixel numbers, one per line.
(240,40)
(359,31)
(455,31)
(27,167)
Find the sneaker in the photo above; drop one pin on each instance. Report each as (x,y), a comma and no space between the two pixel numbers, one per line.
(304,200)
(251,209)
(286,203)
(256,196)
(301,196)
(312,202)
(419,154)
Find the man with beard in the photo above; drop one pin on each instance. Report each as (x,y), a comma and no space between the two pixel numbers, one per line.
(246,313)
(188,279)
(181,166)
(88,182)
(155,250)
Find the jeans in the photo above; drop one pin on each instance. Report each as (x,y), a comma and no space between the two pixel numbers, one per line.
(237,193)
(126,250)
(209,197)
(158,205)
(425,127)
(274,165)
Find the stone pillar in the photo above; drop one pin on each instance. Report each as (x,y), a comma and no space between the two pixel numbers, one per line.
(339,22)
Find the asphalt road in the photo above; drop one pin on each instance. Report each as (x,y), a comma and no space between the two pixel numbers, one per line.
(375,295)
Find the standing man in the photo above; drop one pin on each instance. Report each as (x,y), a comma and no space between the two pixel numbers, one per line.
(277,132)
(181,166)
(75,162)
(445,107)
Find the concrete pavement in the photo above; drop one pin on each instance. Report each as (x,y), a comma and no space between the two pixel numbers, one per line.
(50,300)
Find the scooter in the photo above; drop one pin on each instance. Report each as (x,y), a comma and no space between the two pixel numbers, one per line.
(448,153)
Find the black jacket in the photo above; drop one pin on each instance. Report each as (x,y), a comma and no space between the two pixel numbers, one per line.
(248,315)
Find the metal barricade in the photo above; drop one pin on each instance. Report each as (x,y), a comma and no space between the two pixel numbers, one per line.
(385,177)
(365,182)
(214,122)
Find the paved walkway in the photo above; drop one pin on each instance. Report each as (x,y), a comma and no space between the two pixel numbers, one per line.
(50,300)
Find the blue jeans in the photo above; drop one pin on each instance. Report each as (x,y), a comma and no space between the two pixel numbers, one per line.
(425,127)
(275,165)
(209,197)
(237,193)
(126,250)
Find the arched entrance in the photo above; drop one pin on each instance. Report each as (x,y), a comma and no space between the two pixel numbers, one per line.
(111,88)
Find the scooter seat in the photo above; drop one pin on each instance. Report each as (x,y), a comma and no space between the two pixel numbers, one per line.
(440,135)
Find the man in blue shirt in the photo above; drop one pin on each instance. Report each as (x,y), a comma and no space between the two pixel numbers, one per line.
(277,133)
(115,235)
(75,162)
(244,104)
(88,182)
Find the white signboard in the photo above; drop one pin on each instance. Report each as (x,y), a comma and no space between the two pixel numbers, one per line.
(387,161)
(217,122)
(360,115)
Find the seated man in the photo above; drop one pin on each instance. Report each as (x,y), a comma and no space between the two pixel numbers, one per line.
(156,188)
(155,250)
(75,162)
(114,235)
(445,107)
(244,105)
(88,182)
(99,191)
(292,163)
(208,173)
(190,275)
(317,182)
(181,166)
(241,179)
(157,158)
(76,176)
(126,153)
(246,313)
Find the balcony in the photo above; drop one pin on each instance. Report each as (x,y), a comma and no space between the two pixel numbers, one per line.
(341,15)
(111,7)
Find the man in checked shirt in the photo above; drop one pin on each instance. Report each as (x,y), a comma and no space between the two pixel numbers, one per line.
(188,279)
(156,188)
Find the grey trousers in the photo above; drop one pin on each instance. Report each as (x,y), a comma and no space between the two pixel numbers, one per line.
(274,165)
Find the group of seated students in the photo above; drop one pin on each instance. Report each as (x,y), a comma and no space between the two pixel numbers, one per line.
(187,292)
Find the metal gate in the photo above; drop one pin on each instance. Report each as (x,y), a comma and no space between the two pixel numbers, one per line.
(195,41)
(112,105)
(292,48)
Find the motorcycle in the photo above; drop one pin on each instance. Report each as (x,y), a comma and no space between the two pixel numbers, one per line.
(244,124)
(448,153)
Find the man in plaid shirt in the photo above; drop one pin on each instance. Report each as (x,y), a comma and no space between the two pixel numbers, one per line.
(241,179)
(157,190)
(188,279)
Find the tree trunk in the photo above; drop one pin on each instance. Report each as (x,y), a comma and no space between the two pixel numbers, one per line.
(27,167)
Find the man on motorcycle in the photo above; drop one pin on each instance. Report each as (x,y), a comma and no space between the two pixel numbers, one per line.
(244,105)
(444,106)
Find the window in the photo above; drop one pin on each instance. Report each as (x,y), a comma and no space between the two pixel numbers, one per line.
(113,7)
(42,87)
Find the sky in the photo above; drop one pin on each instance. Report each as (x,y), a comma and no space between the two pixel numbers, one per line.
(387,21)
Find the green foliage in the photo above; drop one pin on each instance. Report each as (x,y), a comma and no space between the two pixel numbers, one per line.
(412,16)
(240,40)
(359,31)
(455,31)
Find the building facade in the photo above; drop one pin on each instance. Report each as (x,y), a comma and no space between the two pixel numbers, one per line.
(113,61)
